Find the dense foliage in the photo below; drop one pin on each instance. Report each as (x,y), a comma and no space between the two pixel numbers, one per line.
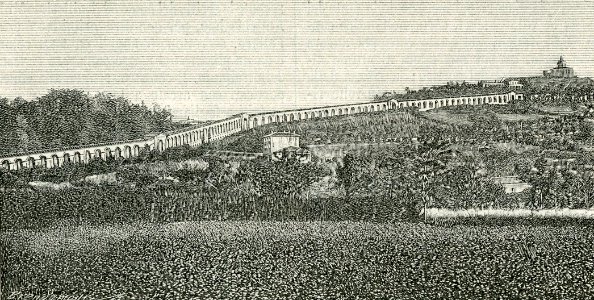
(309,260)
(65,118)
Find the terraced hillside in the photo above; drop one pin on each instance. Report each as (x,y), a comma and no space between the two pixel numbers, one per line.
(361,128)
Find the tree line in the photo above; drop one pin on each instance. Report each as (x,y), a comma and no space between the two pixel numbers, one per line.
(70,117)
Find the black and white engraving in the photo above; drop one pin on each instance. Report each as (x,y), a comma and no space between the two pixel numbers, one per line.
(296,149)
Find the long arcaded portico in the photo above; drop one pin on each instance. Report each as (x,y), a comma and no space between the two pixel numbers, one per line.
(205,133)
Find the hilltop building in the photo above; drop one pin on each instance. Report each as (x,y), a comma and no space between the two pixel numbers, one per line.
(497,82)
(503,82)
(561,71)
(514,84)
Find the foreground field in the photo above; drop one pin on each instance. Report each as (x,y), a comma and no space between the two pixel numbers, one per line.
(294,260)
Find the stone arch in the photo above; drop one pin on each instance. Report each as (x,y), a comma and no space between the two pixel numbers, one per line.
(299,116)
(118,153)
(291,117)
(55,160)
(66,158)
(136,150)
(31,162)
(424,104)
(262,121)
(88,156)
(77,158)
(6,164)
(128,150)
(340,111)
(43,161)
(108,153)
(384,106)
(18,164)
(277,119)
(269,119)
(332,112)
(255,121)
(353,110)
(98,154)
(160,147)
(401,105)
(372,108)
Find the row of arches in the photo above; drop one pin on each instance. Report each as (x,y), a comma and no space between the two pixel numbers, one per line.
(203,134)
(227,127)
(77,157)
(313,114)
(435,103)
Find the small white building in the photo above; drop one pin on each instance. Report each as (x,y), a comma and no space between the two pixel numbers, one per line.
(511,184)
(514,84)
(278,141)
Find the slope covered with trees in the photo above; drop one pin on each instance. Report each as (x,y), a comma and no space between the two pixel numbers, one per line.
(68,117)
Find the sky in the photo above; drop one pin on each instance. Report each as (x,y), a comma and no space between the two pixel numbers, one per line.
(211,59)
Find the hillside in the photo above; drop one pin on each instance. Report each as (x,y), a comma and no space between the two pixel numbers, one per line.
(360,128)
(555,84)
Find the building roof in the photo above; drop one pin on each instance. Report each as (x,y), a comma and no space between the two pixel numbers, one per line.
(283,134)
(507,179)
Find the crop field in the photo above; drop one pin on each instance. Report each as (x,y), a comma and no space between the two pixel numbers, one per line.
(448,117)
(300,260)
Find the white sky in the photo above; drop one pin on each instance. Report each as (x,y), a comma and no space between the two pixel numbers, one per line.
(209,59)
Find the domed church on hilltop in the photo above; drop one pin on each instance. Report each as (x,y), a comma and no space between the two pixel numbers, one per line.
(561,71)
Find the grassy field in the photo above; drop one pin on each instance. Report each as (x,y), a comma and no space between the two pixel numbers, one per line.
(462,118)
(293,260)
(447,117)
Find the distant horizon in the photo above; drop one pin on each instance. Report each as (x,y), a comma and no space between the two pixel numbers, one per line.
(212,59)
